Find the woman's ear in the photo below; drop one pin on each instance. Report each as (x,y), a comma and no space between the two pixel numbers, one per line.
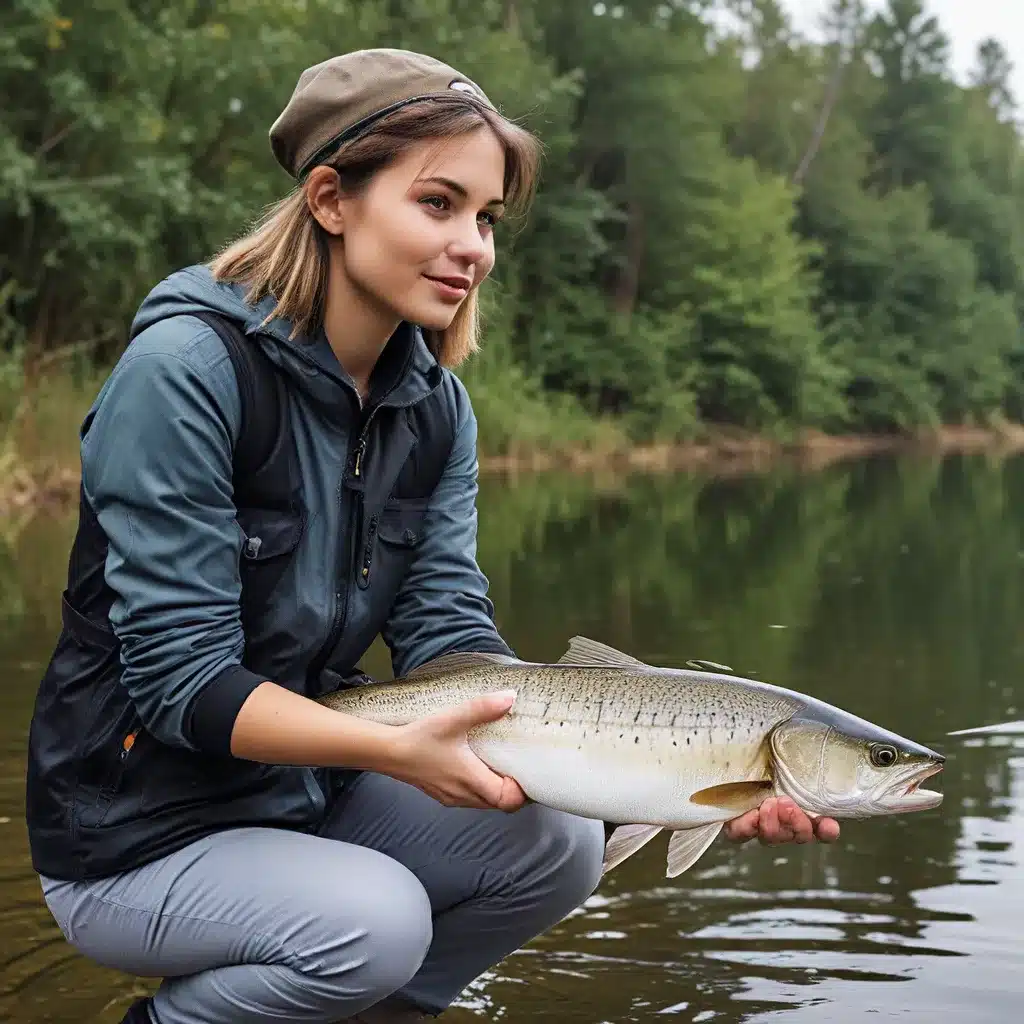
(323,196)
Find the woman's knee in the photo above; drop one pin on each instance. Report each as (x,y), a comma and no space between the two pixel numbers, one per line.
(573,856)
(397,941)
(382,936)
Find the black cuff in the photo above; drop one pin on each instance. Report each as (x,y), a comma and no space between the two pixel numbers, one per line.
(212,717)
(489,643)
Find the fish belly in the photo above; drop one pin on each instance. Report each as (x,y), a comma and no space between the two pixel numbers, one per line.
(638,778)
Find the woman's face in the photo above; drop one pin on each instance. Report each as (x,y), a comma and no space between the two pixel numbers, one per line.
(420,236)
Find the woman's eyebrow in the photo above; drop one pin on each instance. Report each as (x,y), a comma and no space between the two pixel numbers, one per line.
(458,189)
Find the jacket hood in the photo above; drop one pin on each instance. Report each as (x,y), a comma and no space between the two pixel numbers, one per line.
(410,370)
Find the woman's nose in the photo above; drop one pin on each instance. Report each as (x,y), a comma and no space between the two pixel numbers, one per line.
(468,243)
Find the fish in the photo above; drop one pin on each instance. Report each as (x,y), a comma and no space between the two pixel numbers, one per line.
(648,749)
(999,729)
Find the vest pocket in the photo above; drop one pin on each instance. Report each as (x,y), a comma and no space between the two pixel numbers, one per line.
(101,718)
(93,803)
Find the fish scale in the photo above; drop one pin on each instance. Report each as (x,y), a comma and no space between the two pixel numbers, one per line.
(605,736)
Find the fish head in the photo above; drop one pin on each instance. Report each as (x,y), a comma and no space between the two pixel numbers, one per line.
(851,769)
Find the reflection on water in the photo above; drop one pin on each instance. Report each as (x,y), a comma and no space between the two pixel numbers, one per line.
(892,587)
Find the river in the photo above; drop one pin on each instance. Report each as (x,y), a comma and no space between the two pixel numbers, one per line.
(893,587)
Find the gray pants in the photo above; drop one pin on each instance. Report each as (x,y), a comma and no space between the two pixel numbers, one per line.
(397,895)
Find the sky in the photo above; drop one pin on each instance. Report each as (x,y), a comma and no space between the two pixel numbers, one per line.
(966,22)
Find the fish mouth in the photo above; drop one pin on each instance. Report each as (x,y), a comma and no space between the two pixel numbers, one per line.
(913,798)
(926,774)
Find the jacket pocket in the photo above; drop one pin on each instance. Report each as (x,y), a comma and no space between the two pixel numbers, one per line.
(392,537)
(269,540)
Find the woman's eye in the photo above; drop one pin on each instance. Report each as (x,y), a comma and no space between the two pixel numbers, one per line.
(437,202)
(489,219)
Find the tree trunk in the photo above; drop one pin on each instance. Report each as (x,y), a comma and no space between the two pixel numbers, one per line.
(629,279)
(510,17)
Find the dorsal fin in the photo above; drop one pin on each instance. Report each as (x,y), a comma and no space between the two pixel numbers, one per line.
(460,661)
(589,652)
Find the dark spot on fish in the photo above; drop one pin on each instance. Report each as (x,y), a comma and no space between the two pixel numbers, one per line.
(636,739)
(636,717)
(675,743)
(687,740)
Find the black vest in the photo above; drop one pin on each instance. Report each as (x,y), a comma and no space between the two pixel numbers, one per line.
(87,816)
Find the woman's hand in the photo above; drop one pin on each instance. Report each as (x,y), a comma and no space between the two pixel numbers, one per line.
(779,820)
(434,755)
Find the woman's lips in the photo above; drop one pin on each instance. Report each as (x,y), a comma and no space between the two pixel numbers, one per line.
(453,289)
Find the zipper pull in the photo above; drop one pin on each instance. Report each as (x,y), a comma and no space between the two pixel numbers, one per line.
(126,746)
(360,448)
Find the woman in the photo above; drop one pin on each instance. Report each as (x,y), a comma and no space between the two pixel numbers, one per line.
(174,821)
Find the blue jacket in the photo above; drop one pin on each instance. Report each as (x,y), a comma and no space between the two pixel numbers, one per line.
(180,601)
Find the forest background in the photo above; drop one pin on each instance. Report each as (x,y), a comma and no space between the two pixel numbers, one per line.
(740,233)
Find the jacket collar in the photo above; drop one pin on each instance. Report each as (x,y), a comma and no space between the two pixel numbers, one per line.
(406,371)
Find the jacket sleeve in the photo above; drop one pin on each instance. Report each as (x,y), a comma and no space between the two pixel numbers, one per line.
(443,605)
(156,471)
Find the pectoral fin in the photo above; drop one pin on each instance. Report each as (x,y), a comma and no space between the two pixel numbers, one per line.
(687,846)
(736,797)
(625,841)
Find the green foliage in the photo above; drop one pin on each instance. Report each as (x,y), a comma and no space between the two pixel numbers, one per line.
(735,225)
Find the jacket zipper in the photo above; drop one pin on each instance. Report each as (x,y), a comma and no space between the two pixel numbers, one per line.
(341,597)
(341,594)
(371,535)
(313,777)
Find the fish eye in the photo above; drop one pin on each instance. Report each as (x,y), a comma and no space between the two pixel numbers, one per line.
(883,755)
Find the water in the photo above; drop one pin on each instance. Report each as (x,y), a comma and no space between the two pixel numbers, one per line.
(893,587)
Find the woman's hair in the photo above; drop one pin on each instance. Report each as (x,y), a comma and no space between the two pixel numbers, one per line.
(285,255)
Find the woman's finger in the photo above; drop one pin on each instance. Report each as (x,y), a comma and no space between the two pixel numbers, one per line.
(794,820)
(743,828)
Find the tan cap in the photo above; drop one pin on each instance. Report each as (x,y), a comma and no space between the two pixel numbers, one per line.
(337,100)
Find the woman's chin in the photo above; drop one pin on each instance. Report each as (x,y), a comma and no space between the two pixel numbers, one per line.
(430,317)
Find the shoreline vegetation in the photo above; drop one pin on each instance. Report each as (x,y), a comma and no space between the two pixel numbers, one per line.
(722,451)
(40,472)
